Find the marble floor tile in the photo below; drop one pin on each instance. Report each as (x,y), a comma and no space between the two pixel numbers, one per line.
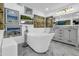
(55,49)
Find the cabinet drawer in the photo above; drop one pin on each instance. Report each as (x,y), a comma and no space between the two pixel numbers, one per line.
(60,39)
(59,30)
(58,36)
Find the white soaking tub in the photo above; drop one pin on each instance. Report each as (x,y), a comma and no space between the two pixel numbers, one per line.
(39,42)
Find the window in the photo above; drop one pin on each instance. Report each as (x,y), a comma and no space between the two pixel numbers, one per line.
(28,11)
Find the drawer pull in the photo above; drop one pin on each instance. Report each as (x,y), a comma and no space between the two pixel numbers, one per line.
(60,36)
(61,30)
(60,39)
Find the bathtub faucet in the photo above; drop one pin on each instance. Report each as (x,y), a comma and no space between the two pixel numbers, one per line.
(25,37)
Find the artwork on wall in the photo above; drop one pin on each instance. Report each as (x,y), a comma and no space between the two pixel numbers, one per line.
(60,23)
(26,19)
(39,21)
(23,17)
(12,23)
(1,16)
(43,22)
(65,22)
(50,21)
(12,17)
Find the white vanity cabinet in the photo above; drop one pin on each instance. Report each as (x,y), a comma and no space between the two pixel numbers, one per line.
(59,34)
(73,35)
(67,35)
(70,35)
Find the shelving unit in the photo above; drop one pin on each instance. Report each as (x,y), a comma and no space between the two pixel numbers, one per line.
(12,26)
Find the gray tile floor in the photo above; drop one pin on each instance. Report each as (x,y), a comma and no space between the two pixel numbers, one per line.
(60,49)
(55,49)
(30,52)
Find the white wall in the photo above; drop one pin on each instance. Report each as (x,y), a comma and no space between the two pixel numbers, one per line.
(66,17)
(14,6)
(38,13)
(20,8)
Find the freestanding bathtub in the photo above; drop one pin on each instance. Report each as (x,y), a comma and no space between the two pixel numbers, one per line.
(39,38)
(39,42)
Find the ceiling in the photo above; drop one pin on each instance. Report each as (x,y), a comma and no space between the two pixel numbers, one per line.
(45,7)
(48,8)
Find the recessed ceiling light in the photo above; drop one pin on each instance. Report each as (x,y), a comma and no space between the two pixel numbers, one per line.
(47,9)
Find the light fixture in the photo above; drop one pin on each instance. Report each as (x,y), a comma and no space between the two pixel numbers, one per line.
(46,9)
(65,11)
